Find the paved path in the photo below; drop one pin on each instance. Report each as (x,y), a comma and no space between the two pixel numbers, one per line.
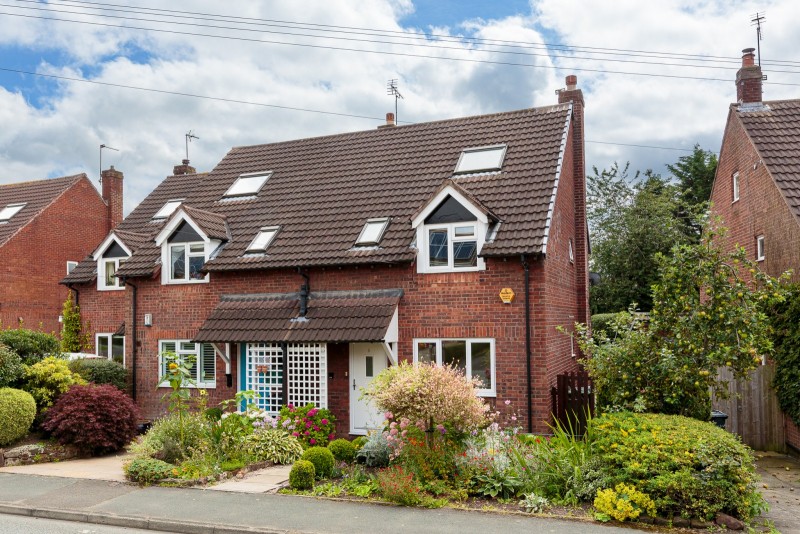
(104,468)
(197,511)
(261,481)
(780,479)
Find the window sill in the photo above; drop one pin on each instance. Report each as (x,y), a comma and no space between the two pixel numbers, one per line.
(490,393)
(189,386)
(185,282)
(438,270)
(105,288)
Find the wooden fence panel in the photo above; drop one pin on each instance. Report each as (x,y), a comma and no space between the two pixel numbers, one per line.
(753,410)
(572,399)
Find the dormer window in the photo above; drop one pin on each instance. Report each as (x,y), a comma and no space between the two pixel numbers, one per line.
(482,159)
(373,231)
(9,211)
(187,243)
(247,184)
(109,256)
(263,240)
(168,208)
(187,255)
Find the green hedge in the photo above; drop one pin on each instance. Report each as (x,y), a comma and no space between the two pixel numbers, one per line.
(32,346)
(785,318)
(601,321)
(10,367)
(17,411)
(688,467)
(100,371)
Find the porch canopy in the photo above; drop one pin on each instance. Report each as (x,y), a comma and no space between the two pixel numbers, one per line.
(332,316)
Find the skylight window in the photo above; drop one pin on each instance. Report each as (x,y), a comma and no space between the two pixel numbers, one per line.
(373,230)
(263,239)
(247,184)
(9,211)
(488,158)
(168,208)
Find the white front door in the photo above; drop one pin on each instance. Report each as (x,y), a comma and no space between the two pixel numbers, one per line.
(366,361)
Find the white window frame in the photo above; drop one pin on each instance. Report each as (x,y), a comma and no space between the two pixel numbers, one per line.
(232,193)
(490,392)
(571,252)
(255,248)
(168,208)
(452,239)
(384,224)
(102,266)
(760,248)
(735,184)
(109,354)
(187,254)
(8,211)
(197,352)
(71,266)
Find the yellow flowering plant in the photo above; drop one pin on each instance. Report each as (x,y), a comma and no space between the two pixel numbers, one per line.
(622,503)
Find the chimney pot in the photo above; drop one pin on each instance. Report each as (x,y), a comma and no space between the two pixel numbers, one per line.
(572,82)
(748,57)
(390,119)
(184,168)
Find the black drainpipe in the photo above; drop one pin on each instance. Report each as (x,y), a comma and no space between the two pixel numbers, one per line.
(305,289)
(133,338)
(77,294)
(526,267)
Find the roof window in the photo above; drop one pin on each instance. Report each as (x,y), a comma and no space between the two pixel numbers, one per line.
(487,158)
(263,239)
(373,230)
(9,211)
(168,208)
(247,184)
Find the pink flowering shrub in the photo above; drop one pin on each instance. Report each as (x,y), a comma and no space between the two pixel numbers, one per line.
(429,396)
(311,425)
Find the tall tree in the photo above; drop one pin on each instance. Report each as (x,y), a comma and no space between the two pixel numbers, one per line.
(695,175)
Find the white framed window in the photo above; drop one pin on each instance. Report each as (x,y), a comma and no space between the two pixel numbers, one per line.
(452,247)
(487,158)
(735,183)
(186,261)
(168,208)
(201,358)
(71,266)
(373,231)
(111,347)
(476,357)
(571,252)
(263,239)
(247,184)
(9,211)
(760,251)
(106,274)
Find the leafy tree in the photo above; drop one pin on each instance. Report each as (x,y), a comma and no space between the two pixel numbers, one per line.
(708,312)
(73,337)
(695,175)
(632,220)
(785,318)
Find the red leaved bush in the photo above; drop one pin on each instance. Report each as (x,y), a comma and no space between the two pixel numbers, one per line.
(96,419)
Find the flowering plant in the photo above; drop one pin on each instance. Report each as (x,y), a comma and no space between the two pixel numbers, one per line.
(311,425)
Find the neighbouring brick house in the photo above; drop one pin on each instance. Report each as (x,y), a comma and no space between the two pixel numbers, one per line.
(756,191)
(301,269)
(46,228)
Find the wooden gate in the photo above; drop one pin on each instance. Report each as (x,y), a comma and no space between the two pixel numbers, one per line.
(572,400)
(753,409)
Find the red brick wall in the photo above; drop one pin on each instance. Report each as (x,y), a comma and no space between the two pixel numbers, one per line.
(35,259)
(760,210)
(792,433)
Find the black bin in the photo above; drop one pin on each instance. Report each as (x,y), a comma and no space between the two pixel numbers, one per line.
(719,418)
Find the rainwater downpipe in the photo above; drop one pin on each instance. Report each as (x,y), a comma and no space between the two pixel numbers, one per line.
(305,290)
(133,338)
(77,294)
(526,267)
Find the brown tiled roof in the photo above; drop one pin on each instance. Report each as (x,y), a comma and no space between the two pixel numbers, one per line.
(775,132)
(322,190)
(333,316)
(36,195)
(212,224)
(86,270)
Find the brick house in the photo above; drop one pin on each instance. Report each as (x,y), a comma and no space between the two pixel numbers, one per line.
(46,227)
(756,190)
(301,269)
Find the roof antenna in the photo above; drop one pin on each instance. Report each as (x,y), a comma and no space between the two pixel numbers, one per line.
(101,158)
(756,21)
(391,89)
(189,136)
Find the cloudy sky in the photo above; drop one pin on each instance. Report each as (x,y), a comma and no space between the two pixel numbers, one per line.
(655,74)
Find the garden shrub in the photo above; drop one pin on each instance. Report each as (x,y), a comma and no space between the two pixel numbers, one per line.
(311,425)
(687,467)
(359,442)
(100,371)
(274,445)
(17,411)
(163,440)
(602,321)
(534,504)
(397,485)
(47,380)
(10,367)
(95,419)
(429,461)
(375,452)
(429,395)
(785,319)
(32,346)
(622,503)
(322,458)
(343,450)
(301,476)
(148,470)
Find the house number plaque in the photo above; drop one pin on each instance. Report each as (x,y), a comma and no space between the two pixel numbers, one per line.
(507,295)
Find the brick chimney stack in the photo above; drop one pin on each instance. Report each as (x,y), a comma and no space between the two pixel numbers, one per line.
(183,168)
(748,79)
(389,121)
(581,249)
(112,195)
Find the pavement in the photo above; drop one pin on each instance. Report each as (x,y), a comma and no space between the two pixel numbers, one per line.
(780,486)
